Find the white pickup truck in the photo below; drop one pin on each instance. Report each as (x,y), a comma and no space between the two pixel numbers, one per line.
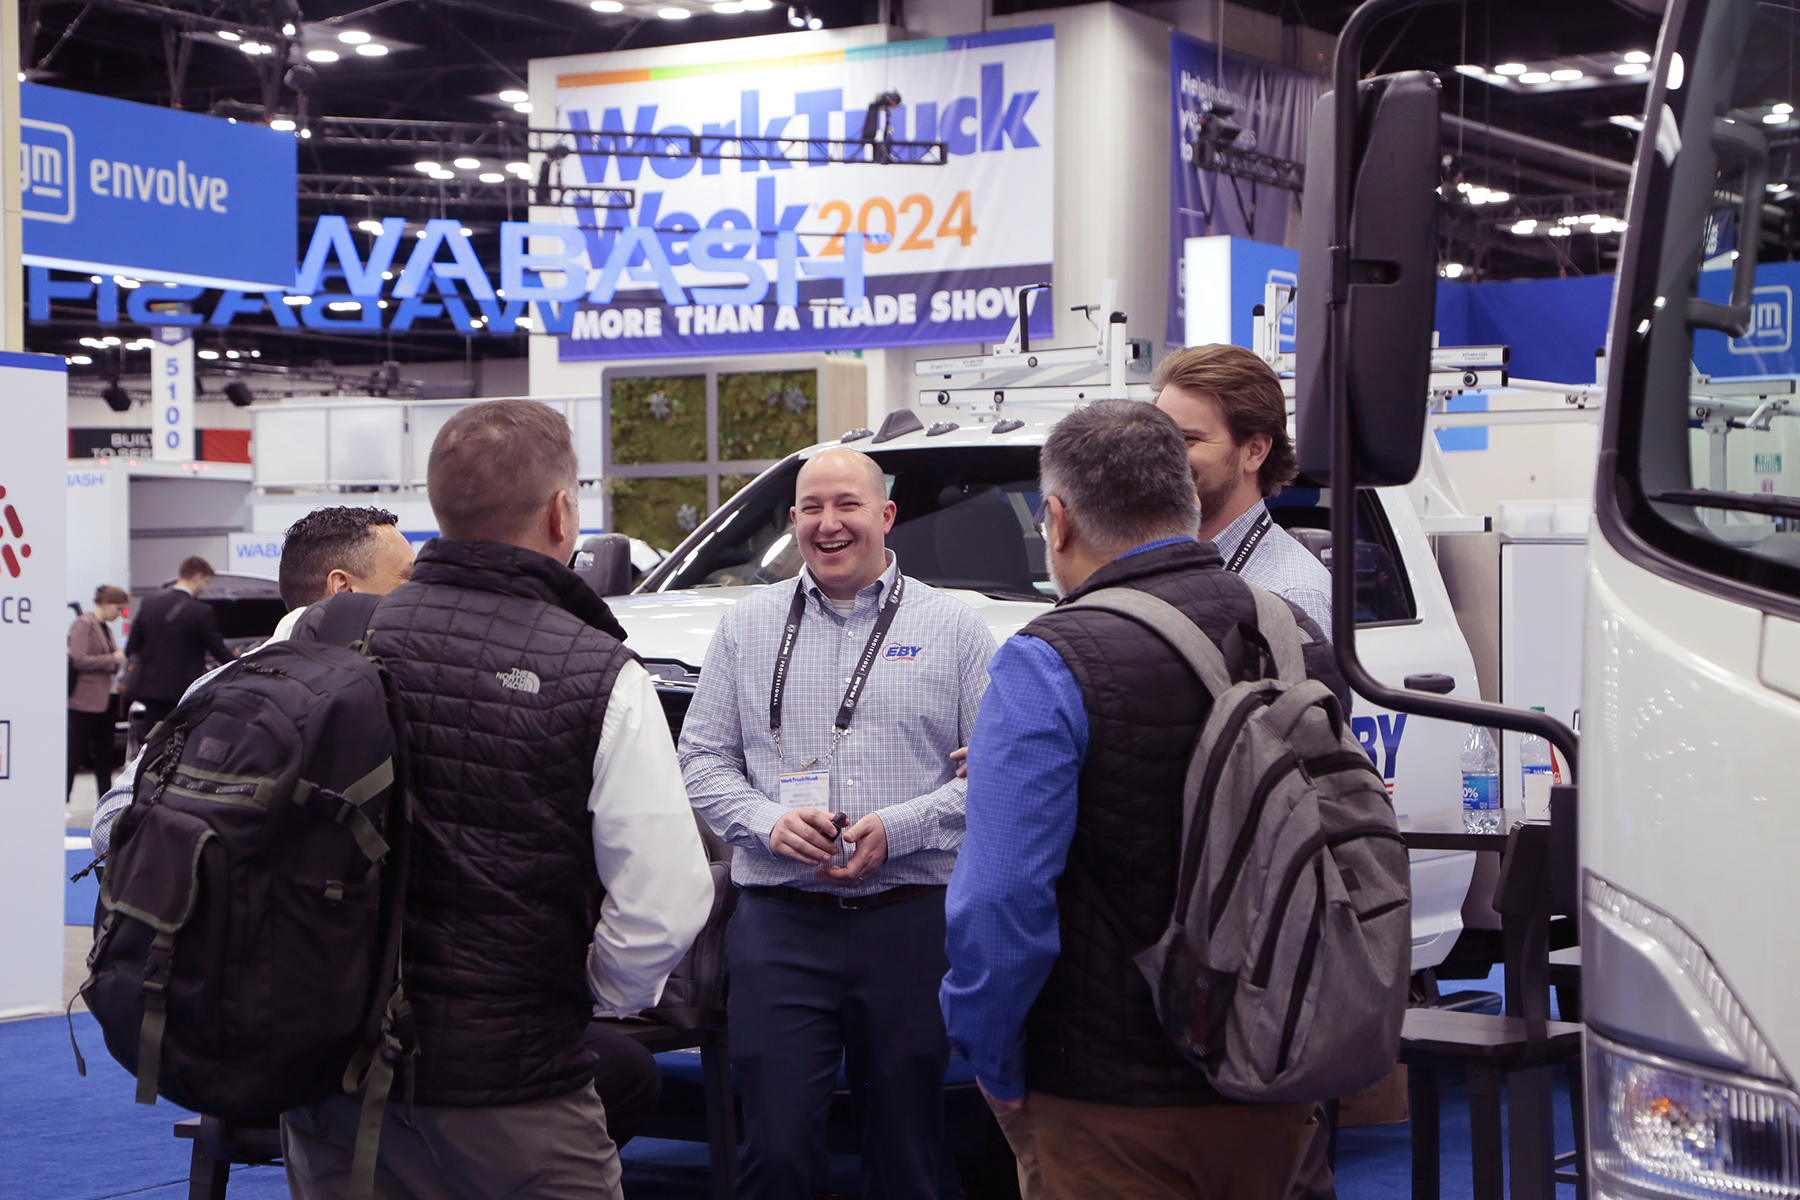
(966,495)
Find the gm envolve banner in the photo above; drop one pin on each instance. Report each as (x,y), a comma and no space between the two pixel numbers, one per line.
(120,188)
(1273,106)
(960,238)
(34,626)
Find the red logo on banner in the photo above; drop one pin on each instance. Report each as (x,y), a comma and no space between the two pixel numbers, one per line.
(10,525)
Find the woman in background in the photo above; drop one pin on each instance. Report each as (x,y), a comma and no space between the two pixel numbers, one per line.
(94,658)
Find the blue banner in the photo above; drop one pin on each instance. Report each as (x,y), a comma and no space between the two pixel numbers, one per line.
(1273,106)
(120,188)
(1768,347)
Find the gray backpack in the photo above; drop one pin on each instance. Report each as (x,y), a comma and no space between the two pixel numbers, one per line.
(1283,971)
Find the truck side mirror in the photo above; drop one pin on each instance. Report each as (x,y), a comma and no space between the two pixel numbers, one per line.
(604,563)
(1387,278)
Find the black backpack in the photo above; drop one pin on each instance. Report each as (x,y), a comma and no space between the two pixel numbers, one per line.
(247,941)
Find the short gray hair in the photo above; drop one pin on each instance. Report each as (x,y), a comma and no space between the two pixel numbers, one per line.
(1121,469)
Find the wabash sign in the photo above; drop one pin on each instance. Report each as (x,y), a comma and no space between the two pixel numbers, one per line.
(17,548)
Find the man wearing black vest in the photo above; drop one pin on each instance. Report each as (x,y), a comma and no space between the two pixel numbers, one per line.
(554,852)
(1074,814)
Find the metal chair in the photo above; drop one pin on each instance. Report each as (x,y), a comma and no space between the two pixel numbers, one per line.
(217,1145)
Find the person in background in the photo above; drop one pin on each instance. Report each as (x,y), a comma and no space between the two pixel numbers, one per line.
(1070,864)
(556,867)
(828,955)
(1232,415)
(170,639)
(94,659)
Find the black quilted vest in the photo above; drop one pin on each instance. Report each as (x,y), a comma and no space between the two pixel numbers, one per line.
(504,662)
(1092,1035)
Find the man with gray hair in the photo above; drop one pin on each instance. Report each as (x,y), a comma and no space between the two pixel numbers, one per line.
(1074,817)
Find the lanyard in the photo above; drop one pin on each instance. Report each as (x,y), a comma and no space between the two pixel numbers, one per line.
(1248,546)
(860,677)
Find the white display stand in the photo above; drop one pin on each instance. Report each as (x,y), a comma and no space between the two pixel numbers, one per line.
(34,624)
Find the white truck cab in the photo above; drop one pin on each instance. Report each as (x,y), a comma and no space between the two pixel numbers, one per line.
(966,493)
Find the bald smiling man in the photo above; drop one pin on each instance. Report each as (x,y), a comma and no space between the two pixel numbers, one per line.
(839,695)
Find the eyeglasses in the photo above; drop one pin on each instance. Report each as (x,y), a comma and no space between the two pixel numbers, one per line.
(1042,514)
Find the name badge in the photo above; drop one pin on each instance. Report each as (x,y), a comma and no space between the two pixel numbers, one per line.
(806,789)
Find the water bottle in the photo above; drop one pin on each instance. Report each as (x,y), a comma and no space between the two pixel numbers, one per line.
(1481,781)
(1537,771)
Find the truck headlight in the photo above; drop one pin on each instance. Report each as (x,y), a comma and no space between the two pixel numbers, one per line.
(1661,1127)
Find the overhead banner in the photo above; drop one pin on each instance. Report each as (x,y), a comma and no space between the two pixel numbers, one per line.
(947,246)
(34,626)
(1273,106)
(113,187)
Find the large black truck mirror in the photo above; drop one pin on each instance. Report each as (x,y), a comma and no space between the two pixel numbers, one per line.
(604,563)
(1386,274)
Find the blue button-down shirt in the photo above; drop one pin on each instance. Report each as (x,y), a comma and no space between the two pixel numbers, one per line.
(1281,565)
(920,704)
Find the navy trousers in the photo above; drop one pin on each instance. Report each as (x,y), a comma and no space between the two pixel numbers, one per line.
(812,986)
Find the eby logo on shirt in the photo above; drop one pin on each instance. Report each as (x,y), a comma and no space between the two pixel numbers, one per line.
(902,653)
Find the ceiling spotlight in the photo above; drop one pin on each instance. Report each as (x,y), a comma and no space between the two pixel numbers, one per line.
(607,6)
(116,397)
(1636,56)
(1627,121)
(1499,197)
(238,393)
(1774,118)
(427,167)
(1630,69)
(79,360)
(1453,270)
(369,226)
(282,123)
(322,56)
(468,164)
(93,343)
(522,170)
(353,37)
(1778,188)
(758,5)
(728,7)
(491,177)
(296,301)
(124,283)
(110,341)
(523,106)
(1566,75)
(1535,77)
(256,48)
(441,174)
(227,35)
(372,49)
(795,20)
(673,14)
(345,306)
(1526,226)
(231,354)
(514,95)
(1784,108)
(1511,69)
(467,232)
(814,23)
(207,354)
(1558,231)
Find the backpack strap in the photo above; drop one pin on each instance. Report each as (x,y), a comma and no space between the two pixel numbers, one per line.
(344,619)
(1275,620)
(1173,626)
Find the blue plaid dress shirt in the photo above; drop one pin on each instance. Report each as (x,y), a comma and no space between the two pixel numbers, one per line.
(920,704)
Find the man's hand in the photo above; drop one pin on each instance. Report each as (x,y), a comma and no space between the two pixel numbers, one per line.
(1001,1107)
(804,835)
(118,656)
(961,759)
(870,836)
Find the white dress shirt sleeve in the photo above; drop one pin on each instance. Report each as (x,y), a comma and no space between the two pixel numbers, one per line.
(659,888)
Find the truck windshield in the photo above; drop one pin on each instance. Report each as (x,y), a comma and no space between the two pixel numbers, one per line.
(964,520)
(1707,430)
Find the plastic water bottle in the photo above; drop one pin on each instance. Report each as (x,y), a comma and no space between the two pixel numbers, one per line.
(1537,771)
(1481,781)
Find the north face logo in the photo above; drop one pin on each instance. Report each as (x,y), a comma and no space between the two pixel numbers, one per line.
(10,524)
(519,680)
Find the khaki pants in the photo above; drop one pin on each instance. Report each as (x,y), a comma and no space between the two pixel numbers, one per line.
(1070,1150)
(555,1149)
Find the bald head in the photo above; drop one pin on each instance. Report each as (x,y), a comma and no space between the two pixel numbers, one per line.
(841,517)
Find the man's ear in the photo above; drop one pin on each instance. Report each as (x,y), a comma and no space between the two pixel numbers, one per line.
(1256,451)
(339,580)
(558,517)
(1060,531)
(888,512)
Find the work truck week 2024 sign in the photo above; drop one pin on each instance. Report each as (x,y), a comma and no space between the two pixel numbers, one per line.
(961,237)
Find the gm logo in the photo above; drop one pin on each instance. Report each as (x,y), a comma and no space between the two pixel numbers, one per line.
(1771,322)
(46,171)
(902,653)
